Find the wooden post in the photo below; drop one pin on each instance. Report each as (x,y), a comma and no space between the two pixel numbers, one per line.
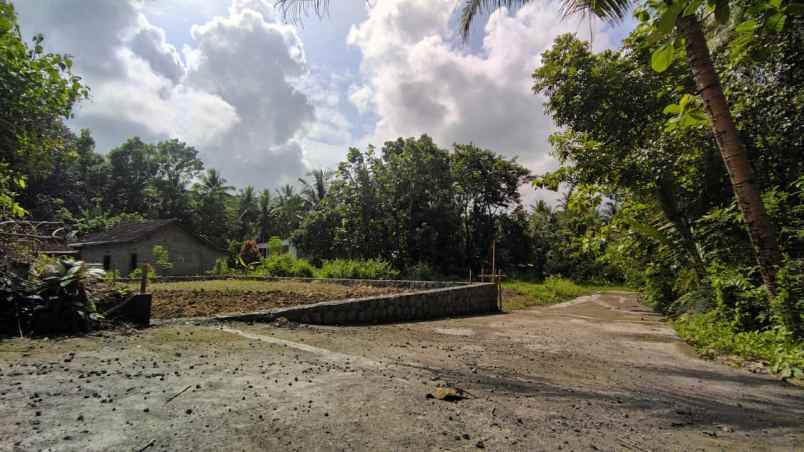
(144,281)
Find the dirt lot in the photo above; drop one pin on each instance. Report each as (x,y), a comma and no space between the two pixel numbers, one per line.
(597,373)
(206,298)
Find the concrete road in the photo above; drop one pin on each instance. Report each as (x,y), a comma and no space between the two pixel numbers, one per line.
(597,373)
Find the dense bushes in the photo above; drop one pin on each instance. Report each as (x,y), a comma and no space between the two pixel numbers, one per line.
(284,265)
(712,336)
(59,297)
(356,269)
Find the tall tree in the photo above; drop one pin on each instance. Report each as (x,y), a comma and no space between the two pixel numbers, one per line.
(177,164)
(247,214)
(662,18)
(266,212)
(211,214)
(37,92)
(684,16)
(314,191)
(133,170)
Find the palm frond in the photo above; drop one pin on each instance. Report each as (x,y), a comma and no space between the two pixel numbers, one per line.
(294,11)
(610,10)
(473,8)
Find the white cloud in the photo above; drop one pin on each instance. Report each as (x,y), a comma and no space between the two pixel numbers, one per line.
(361,97)
(420,78)
(240,90)
(149,43)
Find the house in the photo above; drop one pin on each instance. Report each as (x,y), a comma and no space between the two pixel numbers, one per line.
(287,248)
(127,246)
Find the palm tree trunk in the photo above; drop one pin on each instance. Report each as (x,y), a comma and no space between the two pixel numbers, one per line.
(760,229)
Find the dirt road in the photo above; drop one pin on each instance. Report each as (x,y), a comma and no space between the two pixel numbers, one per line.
(597,373)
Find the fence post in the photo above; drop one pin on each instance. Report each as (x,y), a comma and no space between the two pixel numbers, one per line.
(144,281)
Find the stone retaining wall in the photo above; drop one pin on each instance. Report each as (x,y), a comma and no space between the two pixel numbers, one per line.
(463,299)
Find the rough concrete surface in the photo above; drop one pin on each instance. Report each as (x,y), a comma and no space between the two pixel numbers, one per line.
(597,373)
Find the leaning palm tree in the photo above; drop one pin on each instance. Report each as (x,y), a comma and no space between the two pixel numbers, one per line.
(707,81)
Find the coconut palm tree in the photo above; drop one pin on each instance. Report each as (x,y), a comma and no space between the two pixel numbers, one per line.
(213,184)
(266,215)
(315,191)
(707,81)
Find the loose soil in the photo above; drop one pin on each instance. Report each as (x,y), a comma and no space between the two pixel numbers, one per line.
(207,298)
(597,373)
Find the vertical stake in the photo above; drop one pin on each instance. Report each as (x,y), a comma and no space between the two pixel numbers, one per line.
(144,281)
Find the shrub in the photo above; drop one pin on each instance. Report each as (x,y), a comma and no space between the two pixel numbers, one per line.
(788,306)
(737,299)
(161,258)
(284,265)
(137,273)
(358,269)
(712,336)
(58,299)
(274,246)
(221,267)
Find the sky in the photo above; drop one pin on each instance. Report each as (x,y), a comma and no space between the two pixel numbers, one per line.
(265,101)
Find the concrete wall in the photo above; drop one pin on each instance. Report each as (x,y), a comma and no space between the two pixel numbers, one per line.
(189,255)
(470,299)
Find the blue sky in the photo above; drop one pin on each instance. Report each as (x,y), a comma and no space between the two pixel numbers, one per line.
(265,101)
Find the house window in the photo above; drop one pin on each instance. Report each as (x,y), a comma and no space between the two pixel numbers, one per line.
(133,264)
(107,262)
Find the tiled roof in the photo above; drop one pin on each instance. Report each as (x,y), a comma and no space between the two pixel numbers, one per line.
(123,233)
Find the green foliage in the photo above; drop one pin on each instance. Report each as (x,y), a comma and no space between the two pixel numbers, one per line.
(284,265)
(552,290)
(737,299)
(788,306)
(412,202)
(712,336)
(358,269)
(137,273)
(221,267)
(274,246)
(161,258)
(37,92)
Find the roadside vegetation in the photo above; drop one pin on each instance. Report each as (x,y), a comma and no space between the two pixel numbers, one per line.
(525,294)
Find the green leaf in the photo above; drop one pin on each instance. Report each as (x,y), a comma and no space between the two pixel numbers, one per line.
(662,58)
(775,22)
(777,4)
(692,7)
(747,27)
(672,109)
(722,11)
(668,19)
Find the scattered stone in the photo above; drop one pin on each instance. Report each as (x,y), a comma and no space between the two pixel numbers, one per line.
(448,394)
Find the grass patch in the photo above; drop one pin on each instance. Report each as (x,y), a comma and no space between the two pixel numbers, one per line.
(713,337)
(523,294)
